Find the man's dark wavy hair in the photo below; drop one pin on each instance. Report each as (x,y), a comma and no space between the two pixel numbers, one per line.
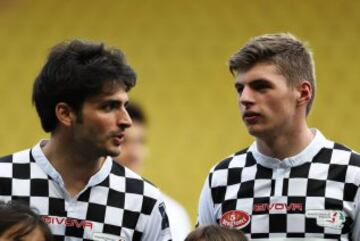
(74,71)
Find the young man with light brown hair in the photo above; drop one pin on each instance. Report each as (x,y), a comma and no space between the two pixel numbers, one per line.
(292,183)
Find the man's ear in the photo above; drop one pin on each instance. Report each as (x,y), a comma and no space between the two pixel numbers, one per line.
(65,114)
(304,89)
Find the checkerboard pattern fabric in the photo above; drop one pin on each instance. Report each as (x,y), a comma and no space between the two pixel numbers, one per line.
(122,206)
(312,195)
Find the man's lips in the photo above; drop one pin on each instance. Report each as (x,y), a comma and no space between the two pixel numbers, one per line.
(251,117)
(118,138)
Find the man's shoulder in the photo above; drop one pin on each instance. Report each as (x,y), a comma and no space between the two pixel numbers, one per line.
(230,168)
(333,145)
(132,182)
(23,156)
(6,159)
(340,160)
(236,159)
(337,151)
(351,154)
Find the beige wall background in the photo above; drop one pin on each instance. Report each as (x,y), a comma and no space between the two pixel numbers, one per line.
(179,50)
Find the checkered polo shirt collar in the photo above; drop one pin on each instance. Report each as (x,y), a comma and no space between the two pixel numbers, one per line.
(306,155)
(49,169)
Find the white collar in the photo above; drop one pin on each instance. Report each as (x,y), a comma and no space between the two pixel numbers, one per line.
(49,169)
(306,155)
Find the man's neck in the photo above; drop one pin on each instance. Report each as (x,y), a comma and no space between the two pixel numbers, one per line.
(75,167)
(283,145)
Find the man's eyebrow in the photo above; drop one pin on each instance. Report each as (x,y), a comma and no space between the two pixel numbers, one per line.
(258,80)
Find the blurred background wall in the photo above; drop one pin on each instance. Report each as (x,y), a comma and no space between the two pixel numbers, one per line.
(179,50)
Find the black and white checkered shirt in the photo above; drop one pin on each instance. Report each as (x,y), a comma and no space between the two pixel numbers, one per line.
(312,196)
(116,204)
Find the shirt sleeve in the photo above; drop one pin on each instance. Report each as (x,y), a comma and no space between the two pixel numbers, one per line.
(206,213)
(356,224)
(157,227)
(180,224)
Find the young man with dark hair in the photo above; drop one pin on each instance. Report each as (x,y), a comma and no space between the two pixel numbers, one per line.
(81,97)
(292,183)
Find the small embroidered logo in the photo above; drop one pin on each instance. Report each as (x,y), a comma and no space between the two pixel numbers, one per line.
(328,218)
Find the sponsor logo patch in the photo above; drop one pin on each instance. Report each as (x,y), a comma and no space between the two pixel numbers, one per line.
(67,222)
(328,218)
(291,207)
(235,219)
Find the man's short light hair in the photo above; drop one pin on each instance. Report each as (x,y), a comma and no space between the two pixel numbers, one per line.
(291,57)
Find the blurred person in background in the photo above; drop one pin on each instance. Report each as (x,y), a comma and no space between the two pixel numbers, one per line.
(19,222)
(133,153)
(292,183)
(215,233)
(81,193)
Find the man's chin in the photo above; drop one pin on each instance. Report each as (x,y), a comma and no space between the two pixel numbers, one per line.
(255,132)
(113,153)
(252,131)
(258,133)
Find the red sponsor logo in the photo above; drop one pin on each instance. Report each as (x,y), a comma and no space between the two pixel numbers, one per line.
(68,222)
(235,219)
(261,207)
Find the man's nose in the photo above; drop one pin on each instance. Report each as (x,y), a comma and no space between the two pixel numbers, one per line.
(124,118)
(246,97)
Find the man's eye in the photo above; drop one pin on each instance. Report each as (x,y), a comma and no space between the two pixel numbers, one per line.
(110,106)
(261,87)
(239,89)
